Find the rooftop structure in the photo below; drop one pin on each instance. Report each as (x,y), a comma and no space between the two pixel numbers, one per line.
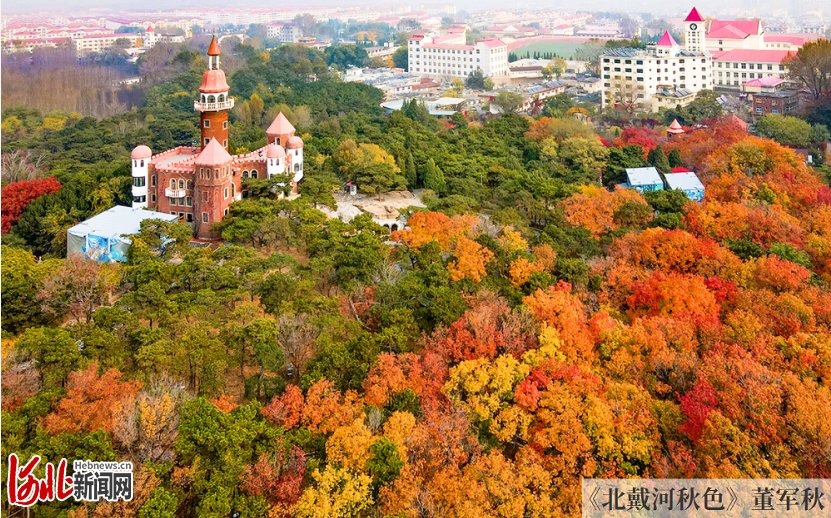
(104,237)
(644,179)
(688,183)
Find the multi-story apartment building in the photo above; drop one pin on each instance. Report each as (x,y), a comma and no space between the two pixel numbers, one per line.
(734,67)
(662,75)
(450,56)
(99,43)
(283,32)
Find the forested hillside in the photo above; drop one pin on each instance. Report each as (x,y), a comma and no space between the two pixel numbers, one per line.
(534,326)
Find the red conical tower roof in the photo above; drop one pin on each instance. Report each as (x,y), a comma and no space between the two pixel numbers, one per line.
(280,126)
(667,40)
(213,48)
(675,127)
(213,155)
(694,16)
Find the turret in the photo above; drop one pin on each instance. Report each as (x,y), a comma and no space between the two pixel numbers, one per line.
(139,165)
(275,160)
(214,102)
(294,148)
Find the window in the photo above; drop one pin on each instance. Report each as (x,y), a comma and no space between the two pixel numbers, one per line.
(138,181)
(174,201)
(224,143)
(207,123)
(172,183)
(153,198)
(204,217)
(153,180)
(226,211)
(190,184)
(142,163)
(253,174)
(139,199)
(245,174)
(182,202)
(226,193)
(181,184)
(224,124)
(207,141)
(189,201)
(189,218)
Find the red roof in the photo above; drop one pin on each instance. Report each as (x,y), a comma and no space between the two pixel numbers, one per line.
(667,40)
(793,39)
(448,46)
(274,151)
(213,82)
(279,126)
(756,56)
(694,16)
(295,142)
(213,48)
(767,81)
(733,29)
(681,169)
(141,151)
(492,43)
(213,154)
(675,127)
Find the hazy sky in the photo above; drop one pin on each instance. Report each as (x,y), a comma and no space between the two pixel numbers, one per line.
(760,8)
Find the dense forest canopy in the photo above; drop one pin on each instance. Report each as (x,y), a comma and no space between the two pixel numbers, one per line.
(534,325)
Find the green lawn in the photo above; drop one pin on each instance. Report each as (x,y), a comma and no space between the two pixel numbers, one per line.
(562,49)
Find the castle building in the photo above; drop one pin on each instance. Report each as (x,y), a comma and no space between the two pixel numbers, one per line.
(199,183)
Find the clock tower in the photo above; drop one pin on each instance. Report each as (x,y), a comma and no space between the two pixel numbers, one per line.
(695,32)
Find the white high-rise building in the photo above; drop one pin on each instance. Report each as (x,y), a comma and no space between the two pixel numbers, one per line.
(664,75)
(450,56)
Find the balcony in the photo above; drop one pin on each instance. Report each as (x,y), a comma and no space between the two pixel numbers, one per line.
(213,107)
(174,193)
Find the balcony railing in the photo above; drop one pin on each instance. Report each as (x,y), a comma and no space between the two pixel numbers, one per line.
(213,107)
(174,193)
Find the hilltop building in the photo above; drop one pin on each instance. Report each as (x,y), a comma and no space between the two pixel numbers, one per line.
(199,183)
(450,56)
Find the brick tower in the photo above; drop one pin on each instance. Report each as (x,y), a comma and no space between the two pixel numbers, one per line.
(213,103)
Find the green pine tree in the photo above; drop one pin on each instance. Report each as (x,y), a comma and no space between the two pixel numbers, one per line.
(675,158)
(658,160)
(433,176)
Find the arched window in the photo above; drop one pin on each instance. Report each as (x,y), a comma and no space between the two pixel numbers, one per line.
(253,174)
(172,183)
(296,168)
(211,99)
(190,184)
(181,184)
(245,174)
(221,97)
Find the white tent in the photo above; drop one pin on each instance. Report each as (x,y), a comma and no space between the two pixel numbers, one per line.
(103,237)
